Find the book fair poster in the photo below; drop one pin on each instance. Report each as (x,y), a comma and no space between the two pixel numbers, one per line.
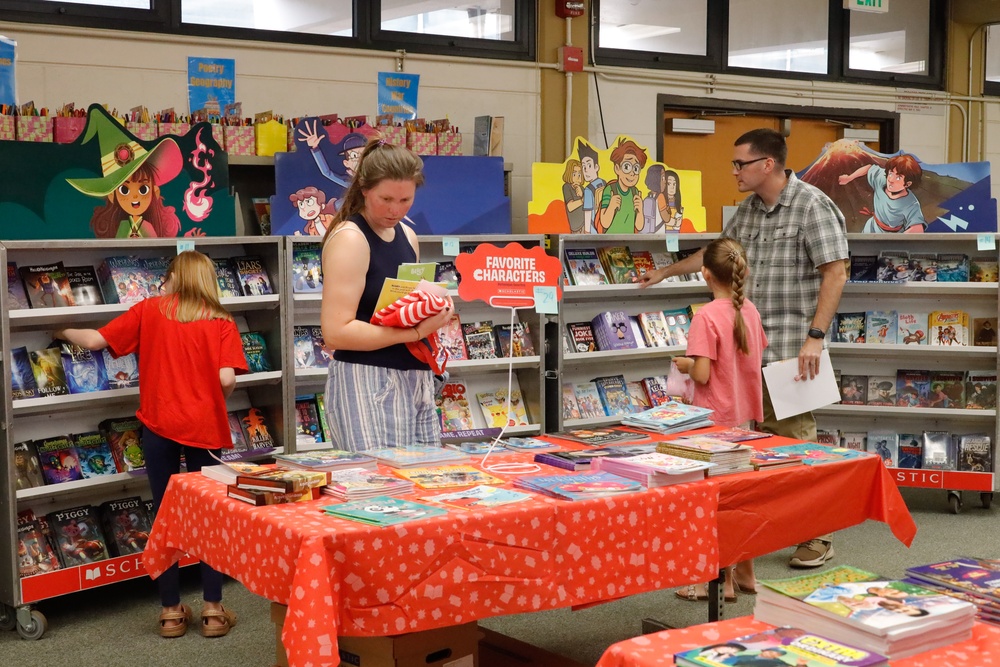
(397,95)
(109,184)
(211,85)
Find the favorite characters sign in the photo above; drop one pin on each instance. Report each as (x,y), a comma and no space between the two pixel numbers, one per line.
(109,184)
(506,277)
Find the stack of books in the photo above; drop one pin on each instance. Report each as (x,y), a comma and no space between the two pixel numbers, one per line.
(228,472)
(894,618)
(654,469)
(446,477)
(326,459)
(816,454)
(671,417)
(769,458)
(727,457)
(277,486)
(773,647)
(358,483)
(578,459)
(975,580)
(580,486)
(600,437)
(415,457)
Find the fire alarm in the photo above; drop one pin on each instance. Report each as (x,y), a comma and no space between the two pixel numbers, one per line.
(568,9)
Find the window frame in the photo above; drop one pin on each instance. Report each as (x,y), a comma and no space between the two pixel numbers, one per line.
(990,88)
(165,17)
(838,48)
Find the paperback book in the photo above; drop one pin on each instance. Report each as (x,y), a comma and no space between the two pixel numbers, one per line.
(498,412)
(307,268)
(83,369)
(253,277)
(47,286)
(886,445)
(78,535)
(46,366)
(774,646)
(27,468)
(910,450)
(816,454)
(383,511)
(255,351)
(911,328)
(580,486)
(582,336)
(94,454)
(122,372)
(17,298)
(326,459)
(84,286)
(59,460)
(356,483)
(585,267)
(478,497)
(446,477)
(126,525)
(22,376)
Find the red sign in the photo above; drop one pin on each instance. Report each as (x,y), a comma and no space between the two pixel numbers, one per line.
(507,277)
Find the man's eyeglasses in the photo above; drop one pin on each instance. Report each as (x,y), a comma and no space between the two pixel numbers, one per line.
(739,164)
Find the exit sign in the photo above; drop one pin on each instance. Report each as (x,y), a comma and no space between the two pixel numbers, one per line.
(877,6)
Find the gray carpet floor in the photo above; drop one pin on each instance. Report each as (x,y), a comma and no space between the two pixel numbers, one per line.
(115,626)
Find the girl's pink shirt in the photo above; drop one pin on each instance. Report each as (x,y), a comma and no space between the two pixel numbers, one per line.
(734,389)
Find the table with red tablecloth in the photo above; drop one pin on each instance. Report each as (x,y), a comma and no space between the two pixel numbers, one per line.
(351,579)
(657,650)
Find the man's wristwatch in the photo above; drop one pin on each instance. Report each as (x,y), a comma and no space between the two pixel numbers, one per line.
(816,333)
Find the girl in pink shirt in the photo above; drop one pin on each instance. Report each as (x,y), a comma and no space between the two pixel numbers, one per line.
(725,344)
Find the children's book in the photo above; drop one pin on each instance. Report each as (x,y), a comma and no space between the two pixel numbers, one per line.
(283,480)
(123,280)
(229,282)
(78,535)
(886,445)
(952,268)
(255,350)
(815,454)
(643,261)
(453,340)
(307,428)
(17,298)
(579,486)
(46,366)
(356,483)
(253,277)
(600,437)
(654,327)
(84,285)
(417,271)
(122,372)
(415,457)
(303,351)
(662,259)
(881,390)
(855,440)
(84,369)
(678,323)
(259,498)
(982,270)
(939,451)
(656,389)
(478,497)
(325,459)
(228,472)
(454,409)
(575,459)
(984,331)
(801,586)
(613,331)
(34,553)
(585,267)
(519,342)
(445,477)
(970,575)
(854,389)
(94,454)
(981,390)
(880,326)
(913,388)
(383,511)
(447,274)
(322,355)
(911,328)
(923,266)
(126,525)
(618,265)
(570,406)
(828,437)
(614,395)
(893,266)
(589,400)
(307,268)
(239,440)
(947,327)
(668,415)
(850,328)
(47,286)
(496,411)
(582,336)
(480,343)
(529,445)
(975,453)
(155,273)
(910,450)
(947,390)
(807,649)
(864,268)
(637,395)
(27,468)
(262,212)
(22,376)
(124,435)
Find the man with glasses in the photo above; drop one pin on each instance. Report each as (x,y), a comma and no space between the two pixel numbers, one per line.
(796,243)
(620,211)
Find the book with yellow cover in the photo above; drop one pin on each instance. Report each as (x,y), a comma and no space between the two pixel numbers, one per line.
(443,477)
(396,288)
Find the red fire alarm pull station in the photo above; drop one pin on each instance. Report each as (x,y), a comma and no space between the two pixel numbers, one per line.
(569,9)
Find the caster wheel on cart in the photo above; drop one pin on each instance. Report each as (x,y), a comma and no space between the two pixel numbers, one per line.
(8,617)
(35,628)
(986,499)
(955,501)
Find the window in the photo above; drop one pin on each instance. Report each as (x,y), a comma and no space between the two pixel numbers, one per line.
(991,83)
(897,41)
(796,43)
(126,4)
(657,26)
(490,19)
(331,17)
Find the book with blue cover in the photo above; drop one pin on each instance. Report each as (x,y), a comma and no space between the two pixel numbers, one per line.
(614,395)
(255,351)
(880,327)
(22,379)
(307,268)
(122,372)
(668,415)
(815,454)
(325,459)
(580,486)
(94,454)
(84,369)
(382,511)
(478,497)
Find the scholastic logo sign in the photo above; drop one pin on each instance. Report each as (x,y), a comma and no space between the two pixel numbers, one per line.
(111,571)
(928,479)
(507,276)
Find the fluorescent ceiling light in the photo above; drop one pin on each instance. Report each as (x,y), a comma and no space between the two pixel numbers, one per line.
(914,67)
(645,31)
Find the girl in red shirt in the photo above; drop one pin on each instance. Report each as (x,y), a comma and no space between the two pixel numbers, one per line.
(726,342)
(189,353)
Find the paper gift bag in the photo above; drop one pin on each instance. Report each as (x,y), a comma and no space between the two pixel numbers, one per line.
(7,131)
(422,143)
(240,139)
(65,129)
(272,137)
(393,134)
(34,128)
(449,143)
(142,131)
(179,129)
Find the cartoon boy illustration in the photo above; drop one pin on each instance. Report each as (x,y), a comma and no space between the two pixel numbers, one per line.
(620,210)
(595,184)
(896,208)
(313,208)
(131,181)
(350,148)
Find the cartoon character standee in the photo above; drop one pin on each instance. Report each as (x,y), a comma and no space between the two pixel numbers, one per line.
(314,209)
(620,209)
(895,207)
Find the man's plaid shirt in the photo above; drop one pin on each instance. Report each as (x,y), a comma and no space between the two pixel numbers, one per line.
(784,246)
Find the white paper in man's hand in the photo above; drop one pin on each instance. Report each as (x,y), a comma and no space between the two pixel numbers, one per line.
(791,397)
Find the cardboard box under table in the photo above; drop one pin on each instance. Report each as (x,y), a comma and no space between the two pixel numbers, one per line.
(455,646)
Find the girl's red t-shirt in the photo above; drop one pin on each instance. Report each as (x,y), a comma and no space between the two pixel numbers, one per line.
(180,395)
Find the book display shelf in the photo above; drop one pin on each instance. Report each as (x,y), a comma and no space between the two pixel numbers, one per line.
(924,359)
(581,303)
(50,416)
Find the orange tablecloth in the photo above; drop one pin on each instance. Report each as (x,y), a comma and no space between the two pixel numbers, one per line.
(342,577)
(983,650)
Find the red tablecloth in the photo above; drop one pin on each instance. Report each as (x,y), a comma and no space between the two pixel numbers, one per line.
(983,650)
(341,577)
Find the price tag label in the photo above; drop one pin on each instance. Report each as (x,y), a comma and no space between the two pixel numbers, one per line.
(986,241)
(183,245)
(673,242)
(546,302)
(449,246)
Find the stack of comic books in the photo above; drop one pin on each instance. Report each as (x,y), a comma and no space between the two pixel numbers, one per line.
(895,618)
(358,483)
(671,417)
(654,469)
(975,580)
(773,647)
(725,457)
